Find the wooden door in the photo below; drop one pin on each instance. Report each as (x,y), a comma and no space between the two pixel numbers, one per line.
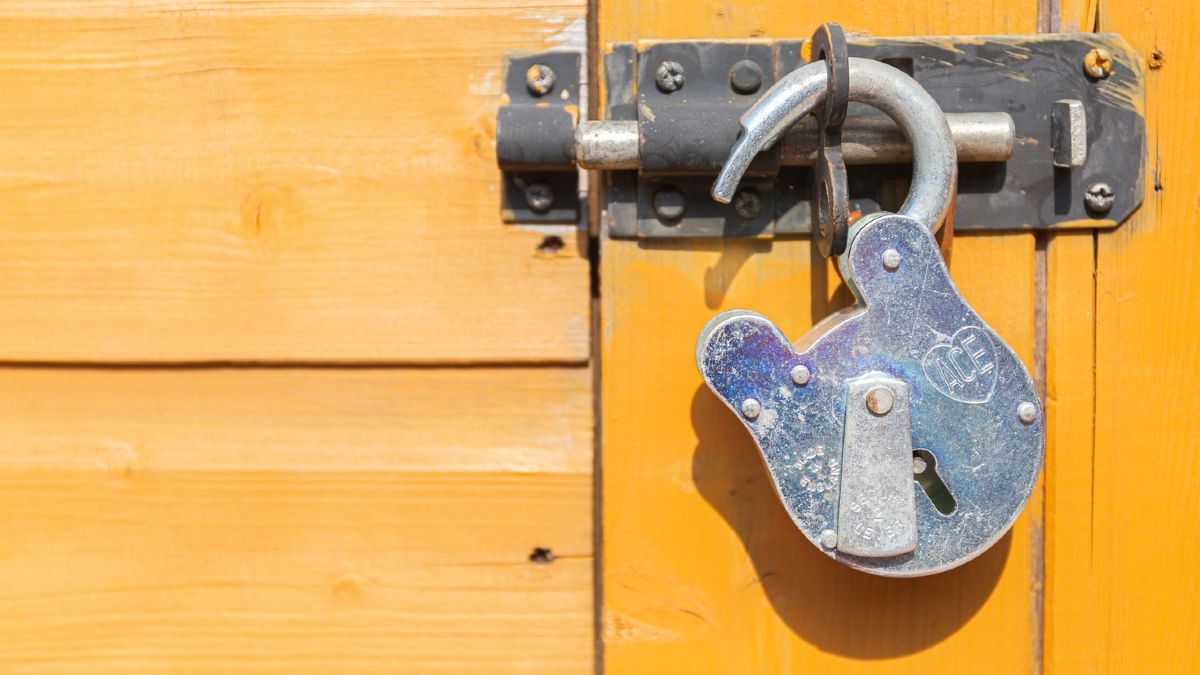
(703,570)
(280,392)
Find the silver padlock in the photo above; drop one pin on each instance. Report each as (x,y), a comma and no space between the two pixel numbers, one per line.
(903,435)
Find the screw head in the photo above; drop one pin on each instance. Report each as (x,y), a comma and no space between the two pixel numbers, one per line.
(669,77)
(891,260)
(1099,197)
(829,540)
(669,204)
(801,375)
(919,466)
(540,79)
(747,204)
(539,196)
(1098,64)
(880,400)
(1027,412)
(746,77)
(751,408)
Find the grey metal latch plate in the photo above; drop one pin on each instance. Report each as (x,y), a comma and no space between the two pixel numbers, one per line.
(1040,81)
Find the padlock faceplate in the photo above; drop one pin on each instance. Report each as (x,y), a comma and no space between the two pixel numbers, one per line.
(965,386)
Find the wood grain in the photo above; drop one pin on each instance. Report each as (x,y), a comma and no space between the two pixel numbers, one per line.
(275,520)
(1131,600)
(1074,642)
(703,569)
(267,181)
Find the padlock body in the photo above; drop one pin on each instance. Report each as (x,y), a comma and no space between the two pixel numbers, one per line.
(972,407)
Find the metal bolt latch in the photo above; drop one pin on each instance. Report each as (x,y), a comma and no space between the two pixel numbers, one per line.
(672,108)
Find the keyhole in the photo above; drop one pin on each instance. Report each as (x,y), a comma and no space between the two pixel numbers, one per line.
(926,474)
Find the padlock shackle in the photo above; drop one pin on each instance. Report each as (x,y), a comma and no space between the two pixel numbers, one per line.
(935,162)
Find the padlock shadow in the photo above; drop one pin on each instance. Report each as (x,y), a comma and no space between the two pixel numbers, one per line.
(733,255)
(828,605)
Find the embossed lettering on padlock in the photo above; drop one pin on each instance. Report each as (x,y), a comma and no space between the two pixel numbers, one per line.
(903,435)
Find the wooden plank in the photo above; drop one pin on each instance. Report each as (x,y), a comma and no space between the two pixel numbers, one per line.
(263,181)
(273,520)
(703,570)
(1074,643)
(1141,607)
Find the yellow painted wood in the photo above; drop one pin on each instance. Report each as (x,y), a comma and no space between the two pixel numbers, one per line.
(275,520)
(270,181)
(1128,599)
(703,570)
(298,182)
(1073,641)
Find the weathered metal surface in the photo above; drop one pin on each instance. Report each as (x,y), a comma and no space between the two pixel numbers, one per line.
(1068,133)
(935,169)
(867,139)
(877,514)
(830,209)
(965,387)
(535,138)
(1021,76)
(690,130)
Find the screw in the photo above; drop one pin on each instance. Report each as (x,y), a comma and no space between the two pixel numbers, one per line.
(747,204)
(539,196)
(1027,412)
(745,77)
(891,259)
(801,375)
(540,79)
(829,539)
(668,203)
(1099,197)
(919,466)
(880,400)
(669,77)
(751,408)
(1098,64)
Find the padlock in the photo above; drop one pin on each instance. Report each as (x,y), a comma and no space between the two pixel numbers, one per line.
(903,435)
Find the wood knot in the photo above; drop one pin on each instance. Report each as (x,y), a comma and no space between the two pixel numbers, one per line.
(267,210)
(348,587)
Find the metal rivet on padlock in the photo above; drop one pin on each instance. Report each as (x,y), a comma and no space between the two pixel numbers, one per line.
(903,436)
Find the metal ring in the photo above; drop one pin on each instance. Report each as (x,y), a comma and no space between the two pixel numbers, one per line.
(830,199)
(829,45)
(935,162)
